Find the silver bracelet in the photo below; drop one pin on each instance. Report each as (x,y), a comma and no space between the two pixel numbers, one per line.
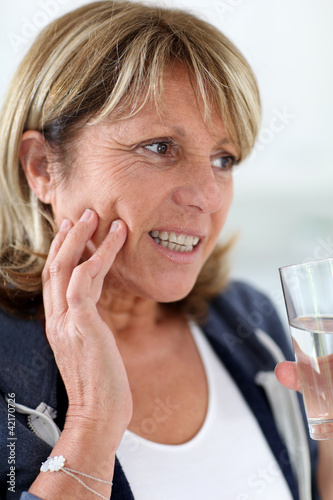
(55,464)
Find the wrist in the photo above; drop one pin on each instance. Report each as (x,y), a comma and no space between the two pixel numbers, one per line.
(94,426)
(88,450)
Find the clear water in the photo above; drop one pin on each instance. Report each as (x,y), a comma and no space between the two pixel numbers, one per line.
(313,343)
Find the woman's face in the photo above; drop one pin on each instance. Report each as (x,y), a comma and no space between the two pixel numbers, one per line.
(168,177)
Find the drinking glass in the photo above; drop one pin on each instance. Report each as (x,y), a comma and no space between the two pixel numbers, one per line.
(308,294)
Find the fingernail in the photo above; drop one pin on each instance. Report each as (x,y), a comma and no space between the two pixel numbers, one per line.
(114,226)
(64,225)
(86,215)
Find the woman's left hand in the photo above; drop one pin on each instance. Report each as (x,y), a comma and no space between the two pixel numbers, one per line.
(287,375)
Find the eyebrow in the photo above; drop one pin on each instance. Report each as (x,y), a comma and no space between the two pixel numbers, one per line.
(224,142)
(181,133)
(176,130)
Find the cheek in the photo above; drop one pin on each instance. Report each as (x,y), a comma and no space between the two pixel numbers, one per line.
(72,202)
(219,219)
(140,202)
(66,206)
(221,215)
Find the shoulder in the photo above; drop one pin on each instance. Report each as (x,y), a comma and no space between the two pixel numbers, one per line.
(20,339)
(243,297)
(28,376)
(27,361)
(244,311)
(10,326)
(245,302)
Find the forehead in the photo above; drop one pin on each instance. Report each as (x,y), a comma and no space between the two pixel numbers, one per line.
(177,106)
(179,87)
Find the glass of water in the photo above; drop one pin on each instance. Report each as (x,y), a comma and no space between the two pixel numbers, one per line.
(308,294)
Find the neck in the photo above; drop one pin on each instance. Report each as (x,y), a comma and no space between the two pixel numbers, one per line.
(129,315)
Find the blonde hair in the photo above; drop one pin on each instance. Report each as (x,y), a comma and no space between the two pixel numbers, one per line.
(107,57)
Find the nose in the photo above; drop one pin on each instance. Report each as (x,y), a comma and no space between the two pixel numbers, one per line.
(199,190)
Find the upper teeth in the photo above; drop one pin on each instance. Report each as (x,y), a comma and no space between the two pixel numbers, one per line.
(180,239)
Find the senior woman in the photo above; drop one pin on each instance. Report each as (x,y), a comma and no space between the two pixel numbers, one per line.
(119,136)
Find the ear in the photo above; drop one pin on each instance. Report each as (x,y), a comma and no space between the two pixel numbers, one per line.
(35,158)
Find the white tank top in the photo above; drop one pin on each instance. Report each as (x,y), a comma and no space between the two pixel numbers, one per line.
(228,459)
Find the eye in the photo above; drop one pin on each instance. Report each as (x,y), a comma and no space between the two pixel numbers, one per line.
(160,148)
(224,162)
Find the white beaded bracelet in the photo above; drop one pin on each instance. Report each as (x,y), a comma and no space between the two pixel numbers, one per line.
(55,464)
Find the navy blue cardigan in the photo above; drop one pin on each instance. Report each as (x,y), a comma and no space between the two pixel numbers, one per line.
(28,370)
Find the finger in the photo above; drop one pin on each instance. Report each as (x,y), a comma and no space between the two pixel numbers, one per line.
(109,248)
(107,253)
(54,249)
(287,374)
(87,280)
(68,257)
(81,304)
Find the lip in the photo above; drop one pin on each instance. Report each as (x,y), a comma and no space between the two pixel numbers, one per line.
(178,257)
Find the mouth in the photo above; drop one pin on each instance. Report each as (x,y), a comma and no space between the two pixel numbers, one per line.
(175,242)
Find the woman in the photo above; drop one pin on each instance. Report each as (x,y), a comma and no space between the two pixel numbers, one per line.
(119,136)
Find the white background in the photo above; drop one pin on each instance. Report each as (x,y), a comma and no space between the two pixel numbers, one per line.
(283,208)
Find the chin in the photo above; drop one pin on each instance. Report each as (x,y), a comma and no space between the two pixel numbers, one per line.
(166,287)
(174,294)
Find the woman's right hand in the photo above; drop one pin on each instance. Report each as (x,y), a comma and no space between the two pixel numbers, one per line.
(83,344)
(99,396)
